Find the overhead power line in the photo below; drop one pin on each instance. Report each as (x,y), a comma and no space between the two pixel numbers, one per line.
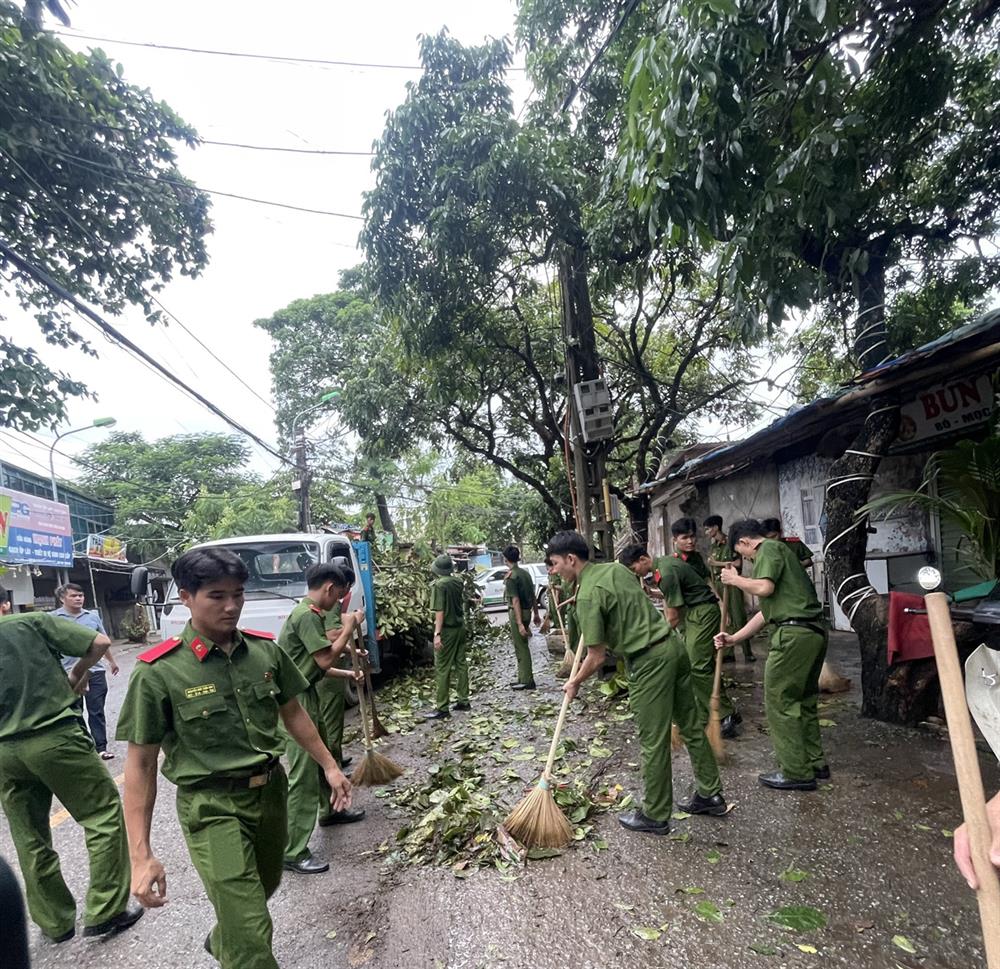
(294,151)
(278,58)
(118,337)
(585,76)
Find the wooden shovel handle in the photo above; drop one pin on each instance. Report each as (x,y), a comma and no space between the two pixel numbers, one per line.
(970,780)
(567,700)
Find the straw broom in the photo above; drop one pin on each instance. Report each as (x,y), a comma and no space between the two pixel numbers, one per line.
(967,773)
(566,666)
(714,728)
(537,821)
(378,730)
(374,769)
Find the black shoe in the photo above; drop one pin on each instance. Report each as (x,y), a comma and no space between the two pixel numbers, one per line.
(731,726)
(115,924)
(463,705)
(346,762)
(822,773)
(307,866)
(56,939)
(728,659)
(637,821)
(342,817)
(530,685)
(714,804)
(435,714)
(779,782)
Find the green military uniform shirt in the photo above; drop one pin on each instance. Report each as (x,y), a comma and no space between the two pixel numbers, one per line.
(613,610)
(721,552)
(802,551)
(304,633)
(368,534)
(34,690)
(519,585)
(212,713)
(680,583)
(696,562)
(794,594)
(448,596)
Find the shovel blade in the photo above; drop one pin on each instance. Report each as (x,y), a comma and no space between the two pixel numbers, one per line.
(982,690)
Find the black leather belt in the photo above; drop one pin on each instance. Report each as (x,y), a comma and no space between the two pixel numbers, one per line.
(260,778)
(805,623)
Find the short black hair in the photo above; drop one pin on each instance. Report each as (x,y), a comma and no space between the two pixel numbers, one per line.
(511,553)
(713,521)
(631,554)
(684,526)
(370,516)
(569,543)
(348,574)
(771,525)
(200,566)
(68,587)
(747,528)
(323,572)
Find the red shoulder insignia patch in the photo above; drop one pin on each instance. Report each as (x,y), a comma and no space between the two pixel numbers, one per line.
(792,538)
(160,649)
(199,649)
(260,634)
(656,576)
(316,609)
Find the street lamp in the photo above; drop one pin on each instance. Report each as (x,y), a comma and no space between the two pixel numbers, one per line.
(99,422)
(300,458)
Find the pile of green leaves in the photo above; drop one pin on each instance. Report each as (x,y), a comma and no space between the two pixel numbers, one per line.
(402,594)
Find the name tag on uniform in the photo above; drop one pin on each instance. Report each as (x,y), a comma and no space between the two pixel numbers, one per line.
(193,692)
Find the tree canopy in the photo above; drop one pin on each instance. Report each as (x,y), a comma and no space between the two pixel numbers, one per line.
(90,193)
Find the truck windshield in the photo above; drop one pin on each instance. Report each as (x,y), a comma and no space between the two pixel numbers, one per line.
(278,567)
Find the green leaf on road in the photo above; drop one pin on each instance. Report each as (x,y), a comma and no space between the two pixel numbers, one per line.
(647,932)
(692,890)
(827,723)
(712,856)
(680,815)
(798,918)
(763,949)
(902,942)
(794,875)
(802,947)
(708,912)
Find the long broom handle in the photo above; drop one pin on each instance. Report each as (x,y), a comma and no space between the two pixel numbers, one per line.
(970,780)
(567,700)
(559,607)
(367,667)
(369,746)
(717,682)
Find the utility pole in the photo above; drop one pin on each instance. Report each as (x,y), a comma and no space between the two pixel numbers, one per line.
(589,403)
(301,486)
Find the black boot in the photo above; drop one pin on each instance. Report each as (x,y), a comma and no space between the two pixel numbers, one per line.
(775,779)
(637,821)
(117,923)
(435,714)
(714,804)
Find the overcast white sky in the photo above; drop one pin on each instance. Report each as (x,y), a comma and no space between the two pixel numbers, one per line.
(261,258)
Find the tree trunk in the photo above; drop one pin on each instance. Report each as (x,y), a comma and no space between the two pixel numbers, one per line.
(905,693)
(637,507)
(870,336)
(385,516)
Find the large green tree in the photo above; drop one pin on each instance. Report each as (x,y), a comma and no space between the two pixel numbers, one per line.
(155,486)
(472,209)
(90,193)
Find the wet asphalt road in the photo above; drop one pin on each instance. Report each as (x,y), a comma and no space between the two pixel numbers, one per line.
(872,845)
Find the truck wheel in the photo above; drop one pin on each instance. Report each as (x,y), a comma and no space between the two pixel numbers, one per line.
(350,694)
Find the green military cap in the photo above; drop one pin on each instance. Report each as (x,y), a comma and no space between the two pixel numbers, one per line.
(443,565)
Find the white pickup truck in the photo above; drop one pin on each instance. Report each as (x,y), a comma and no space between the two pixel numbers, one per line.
(277,565)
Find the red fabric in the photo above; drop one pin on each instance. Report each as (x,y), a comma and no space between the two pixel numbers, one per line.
(160,649)
(259,633)
(909,635)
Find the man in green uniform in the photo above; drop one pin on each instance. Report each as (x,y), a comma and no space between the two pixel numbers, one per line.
(45,751)
(339,628)
(212,699)
(772,529)
(788,604)
(519,591)
(686,596)
(720,555)
(448,607)
(368,532)
(613,612)
(561,591)
(303,637)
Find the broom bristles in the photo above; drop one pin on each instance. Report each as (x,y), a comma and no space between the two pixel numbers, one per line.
(375,770)
(537,821)
(566,666)
(715,741)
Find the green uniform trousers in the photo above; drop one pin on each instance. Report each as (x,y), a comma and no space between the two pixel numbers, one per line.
(235,839)
(525,673)
(660,693)
(701,623)
(791,697)
(332,705)
(308,791)
(451,658)
(62,761)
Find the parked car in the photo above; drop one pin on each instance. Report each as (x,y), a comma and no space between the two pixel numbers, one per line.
(491,581)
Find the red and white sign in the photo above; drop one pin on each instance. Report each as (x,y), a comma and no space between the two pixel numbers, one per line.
(947,408)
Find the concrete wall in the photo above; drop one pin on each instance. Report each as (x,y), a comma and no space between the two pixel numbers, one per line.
(749,494)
